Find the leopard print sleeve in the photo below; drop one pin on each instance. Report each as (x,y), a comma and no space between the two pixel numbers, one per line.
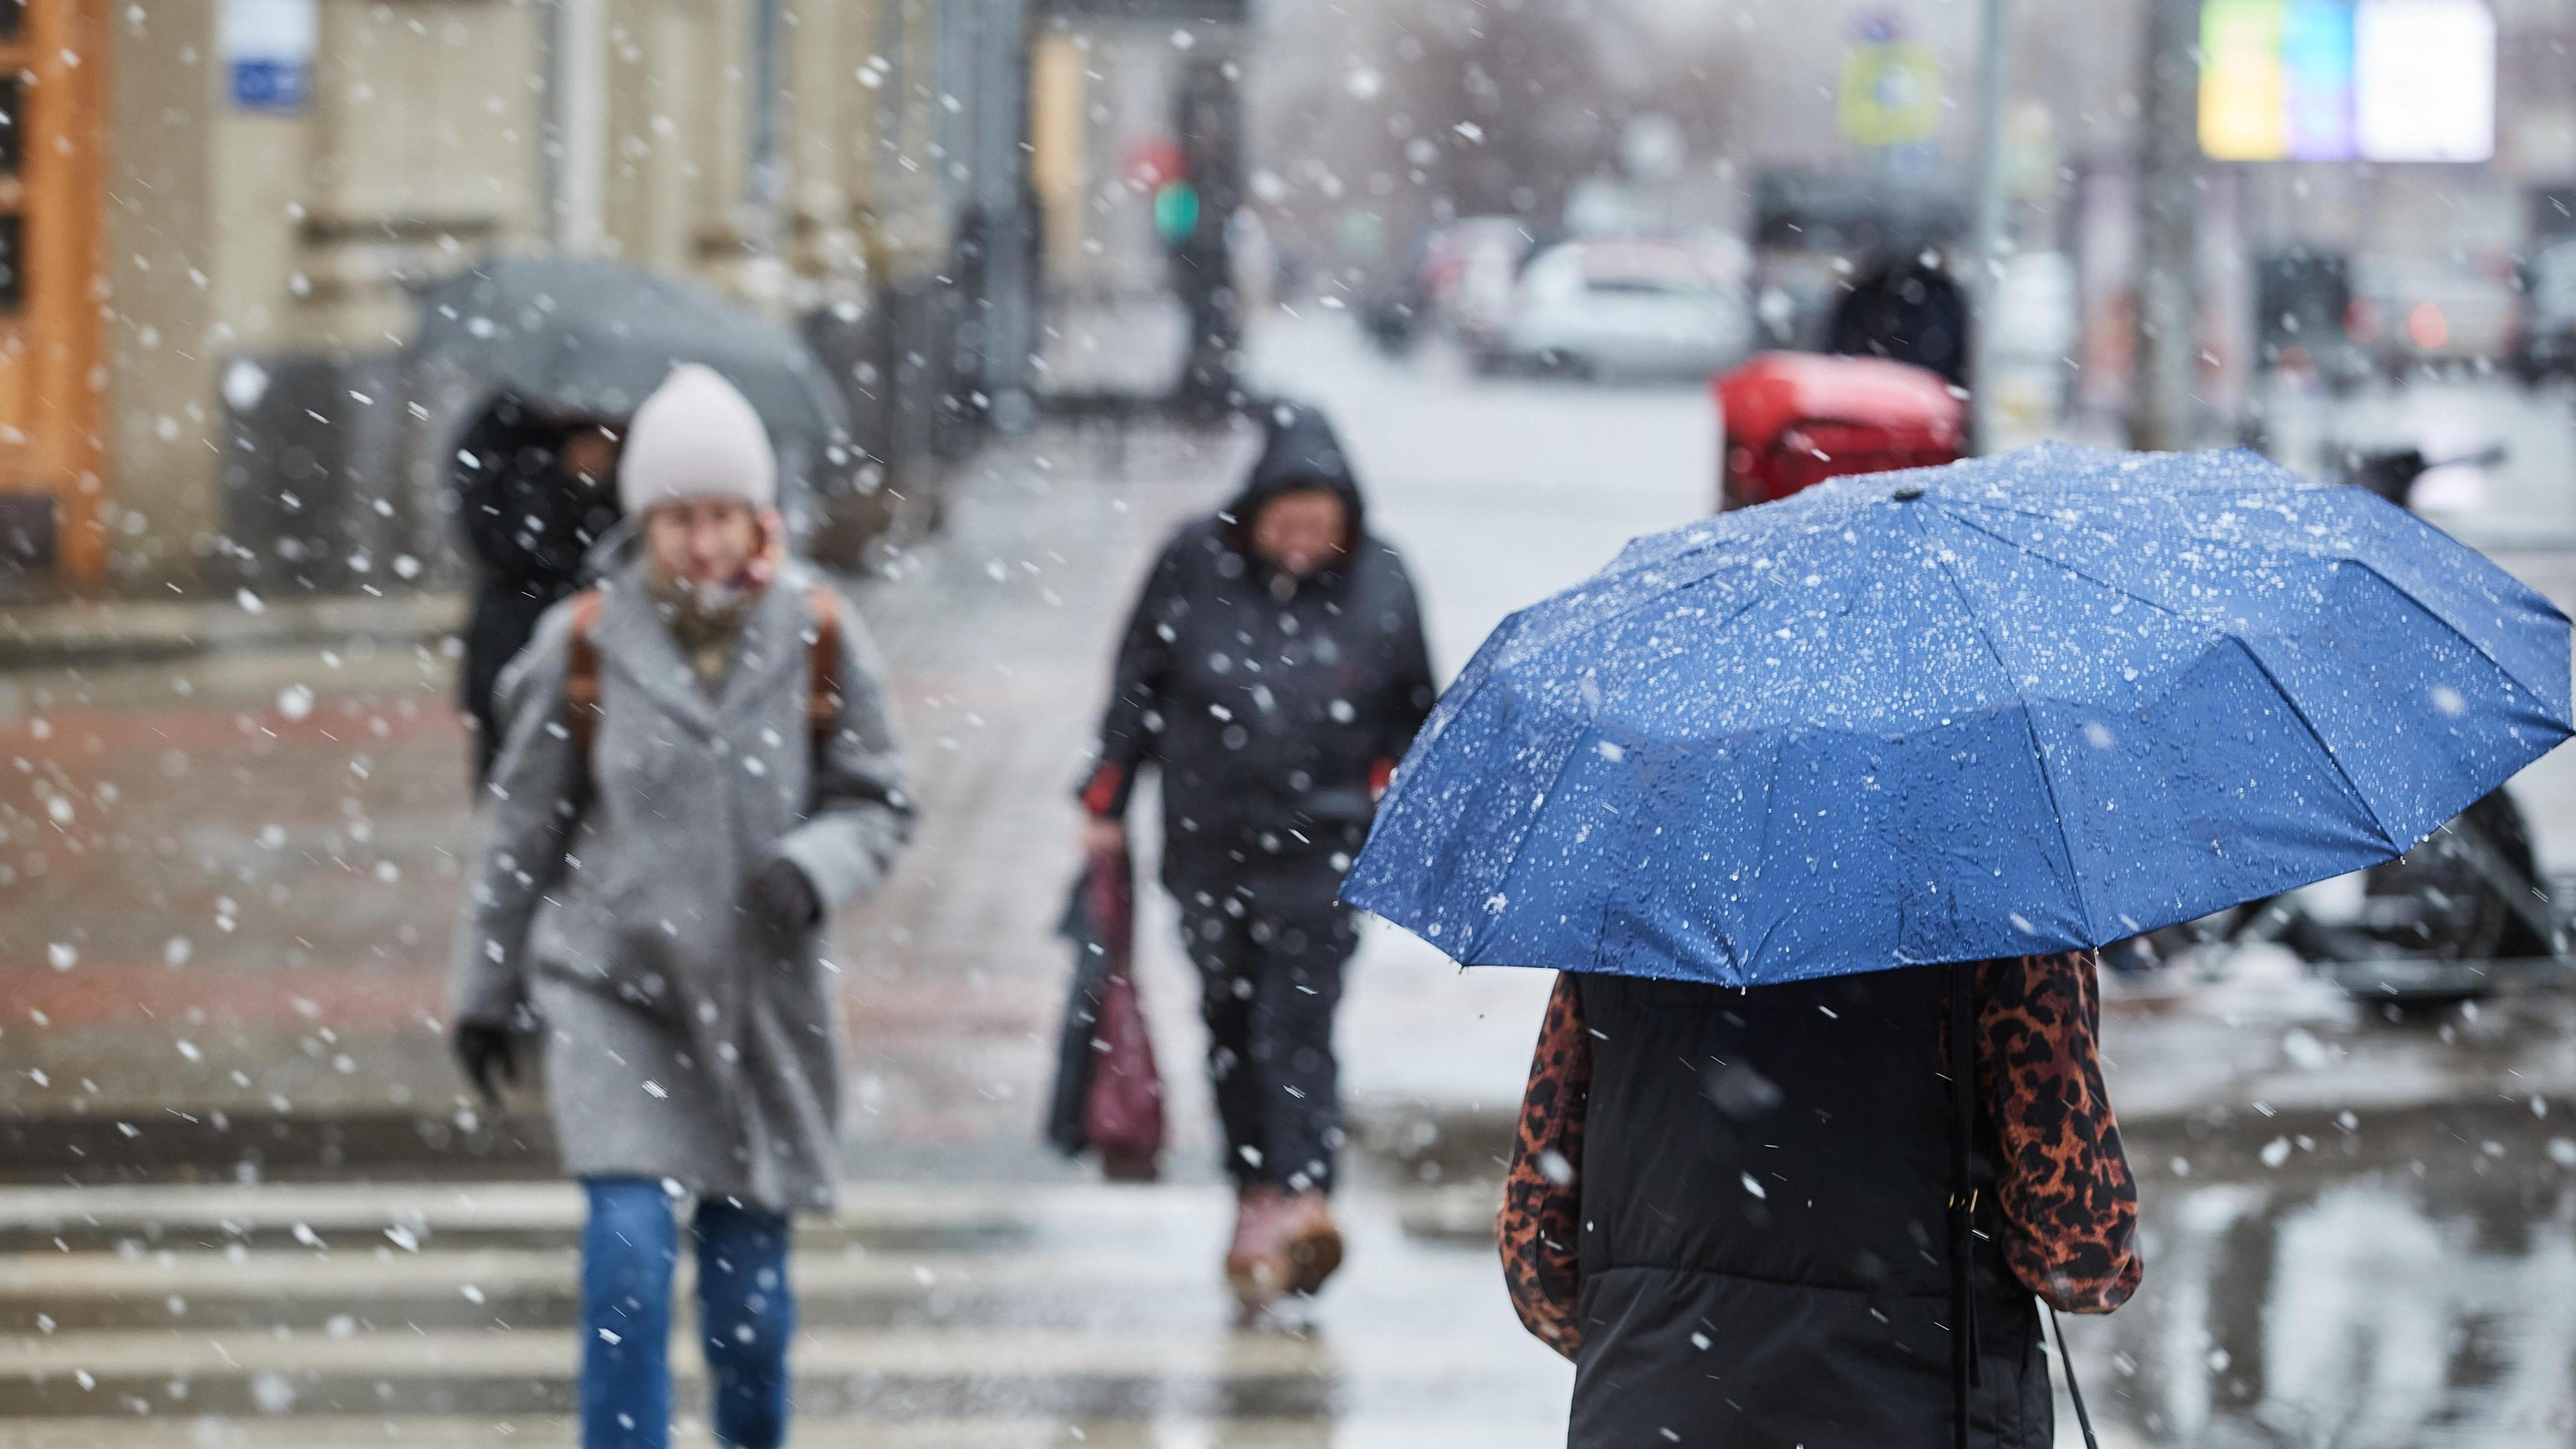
(2069,1204)
(1541,1199)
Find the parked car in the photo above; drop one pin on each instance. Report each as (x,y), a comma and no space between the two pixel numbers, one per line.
(1630,309)
(2549,313)
(1469,271)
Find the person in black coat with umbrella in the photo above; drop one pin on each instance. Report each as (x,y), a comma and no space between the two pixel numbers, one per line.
(1274,670)
(534,490)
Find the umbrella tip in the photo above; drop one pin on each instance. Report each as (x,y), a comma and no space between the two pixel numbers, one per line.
(1908,493)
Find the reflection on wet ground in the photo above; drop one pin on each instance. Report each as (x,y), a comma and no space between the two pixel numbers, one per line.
(2401,1278)
(949,1313)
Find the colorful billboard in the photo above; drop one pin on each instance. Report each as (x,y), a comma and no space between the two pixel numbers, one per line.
(2347,80)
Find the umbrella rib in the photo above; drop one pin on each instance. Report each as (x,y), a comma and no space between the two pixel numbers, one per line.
(2271,547)
(2275,547)
(2301,715)
(1743,960)
(1722,531)
(2269,677)
(1588,627)
(2057,812)
(2339,557)
(1520,844)
(2452,629)
(2048,782)
(2017,545)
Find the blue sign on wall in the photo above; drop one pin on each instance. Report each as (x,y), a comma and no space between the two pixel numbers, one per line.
(268,48)
(271,85)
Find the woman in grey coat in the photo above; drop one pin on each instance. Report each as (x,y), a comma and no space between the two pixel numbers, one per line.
(697,772)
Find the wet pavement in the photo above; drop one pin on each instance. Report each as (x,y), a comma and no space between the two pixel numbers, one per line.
(930,1315)
(2372,1278)
(228,882)
(2391,1278)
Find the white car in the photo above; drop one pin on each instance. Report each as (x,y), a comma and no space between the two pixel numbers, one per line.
(1630,309)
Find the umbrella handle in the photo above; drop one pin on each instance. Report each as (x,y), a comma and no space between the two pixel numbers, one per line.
(2066,1360)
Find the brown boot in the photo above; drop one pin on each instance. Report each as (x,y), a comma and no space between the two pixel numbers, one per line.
(1307,1241)
(1254,1268)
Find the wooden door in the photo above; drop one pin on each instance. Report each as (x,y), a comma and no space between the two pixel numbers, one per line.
(53,58)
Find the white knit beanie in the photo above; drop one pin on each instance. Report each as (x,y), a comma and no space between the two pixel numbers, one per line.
(695,437)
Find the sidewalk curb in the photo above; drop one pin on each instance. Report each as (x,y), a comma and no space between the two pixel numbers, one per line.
(124,631)
(98,1150)
(1424,1146)
(1406,1145)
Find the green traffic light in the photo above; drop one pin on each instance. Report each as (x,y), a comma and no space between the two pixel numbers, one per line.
(1176,211)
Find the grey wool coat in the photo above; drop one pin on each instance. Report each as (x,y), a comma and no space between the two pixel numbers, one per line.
(687,1036)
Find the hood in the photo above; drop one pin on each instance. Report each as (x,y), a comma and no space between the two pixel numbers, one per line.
(1300,452)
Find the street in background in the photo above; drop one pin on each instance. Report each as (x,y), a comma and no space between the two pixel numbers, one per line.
(1050,263)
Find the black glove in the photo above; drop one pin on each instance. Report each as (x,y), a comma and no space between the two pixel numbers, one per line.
(781,892)
(486,1049)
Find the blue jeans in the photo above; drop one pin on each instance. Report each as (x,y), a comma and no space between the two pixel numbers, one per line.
(746,1314)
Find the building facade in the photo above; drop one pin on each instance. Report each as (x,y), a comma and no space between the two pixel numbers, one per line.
(215,214)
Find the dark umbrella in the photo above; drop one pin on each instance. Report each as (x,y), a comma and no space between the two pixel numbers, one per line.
(594,338)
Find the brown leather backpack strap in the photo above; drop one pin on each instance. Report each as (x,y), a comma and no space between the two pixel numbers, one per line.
(823,697)
(581,673)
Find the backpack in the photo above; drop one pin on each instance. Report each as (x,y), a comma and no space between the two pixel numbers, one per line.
(823,669)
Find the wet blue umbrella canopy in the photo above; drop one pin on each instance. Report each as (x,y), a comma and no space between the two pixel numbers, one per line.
(2027,703)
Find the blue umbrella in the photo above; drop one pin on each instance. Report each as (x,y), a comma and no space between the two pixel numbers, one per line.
(2028,703)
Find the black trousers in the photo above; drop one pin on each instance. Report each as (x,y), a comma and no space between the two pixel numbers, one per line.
(1270,942)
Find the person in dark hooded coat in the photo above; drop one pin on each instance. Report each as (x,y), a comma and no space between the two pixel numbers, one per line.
(1907,310)
(1273,671)
(533,493)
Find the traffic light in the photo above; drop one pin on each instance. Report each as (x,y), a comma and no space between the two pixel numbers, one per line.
(1176,211)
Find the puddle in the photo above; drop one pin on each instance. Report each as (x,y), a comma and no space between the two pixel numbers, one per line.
(2405,1280)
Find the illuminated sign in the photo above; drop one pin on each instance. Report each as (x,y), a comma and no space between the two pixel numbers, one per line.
(2424,75)
(2317,80)
(2241,110)
(2344,80)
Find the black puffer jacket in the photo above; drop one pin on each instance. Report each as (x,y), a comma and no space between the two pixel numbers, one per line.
(1765,1237)
(528,527)
(1273,705)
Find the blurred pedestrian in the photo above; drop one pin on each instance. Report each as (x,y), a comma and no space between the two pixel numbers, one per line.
(533,494)
(696,774)
(1274,670)
(1727,1206)
(1909,310)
